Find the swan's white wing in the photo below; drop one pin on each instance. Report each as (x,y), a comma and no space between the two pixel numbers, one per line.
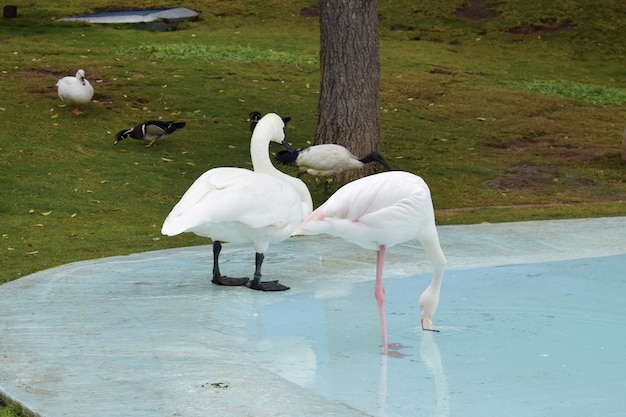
(231,198)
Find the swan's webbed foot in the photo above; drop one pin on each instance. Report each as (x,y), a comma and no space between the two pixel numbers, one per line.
(257,284)
(228,281)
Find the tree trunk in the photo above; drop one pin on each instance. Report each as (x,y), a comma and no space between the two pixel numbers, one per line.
(350,79)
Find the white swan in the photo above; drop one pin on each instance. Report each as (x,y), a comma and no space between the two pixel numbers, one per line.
(237,205)
(378,212)
(75,90)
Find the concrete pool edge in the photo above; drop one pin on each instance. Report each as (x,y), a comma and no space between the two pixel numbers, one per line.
(467,247)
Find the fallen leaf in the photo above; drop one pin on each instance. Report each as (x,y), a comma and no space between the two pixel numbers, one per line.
(35,252)
(31,211)
(46,213)
(191,163)
(166,159)
(73,215)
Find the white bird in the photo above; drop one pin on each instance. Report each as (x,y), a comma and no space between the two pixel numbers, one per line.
(241,206)
(75,90)
(378,212)
(327,160)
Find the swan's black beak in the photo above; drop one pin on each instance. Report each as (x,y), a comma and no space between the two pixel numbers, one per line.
(285,144)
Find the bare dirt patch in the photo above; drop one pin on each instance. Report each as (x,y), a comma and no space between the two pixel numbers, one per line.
(525,177)
(551,148)
(549,25)
(312,11)
(538,176)
(477,10)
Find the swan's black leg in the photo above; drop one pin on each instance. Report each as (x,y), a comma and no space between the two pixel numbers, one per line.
(256,283)
(217,277)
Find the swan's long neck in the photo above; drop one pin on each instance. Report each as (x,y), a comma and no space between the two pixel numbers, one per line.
(261,162)
(259,153)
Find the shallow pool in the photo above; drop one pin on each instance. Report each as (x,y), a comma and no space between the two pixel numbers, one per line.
(530,340)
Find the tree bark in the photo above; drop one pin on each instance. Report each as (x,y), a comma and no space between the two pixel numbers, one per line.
(349,103)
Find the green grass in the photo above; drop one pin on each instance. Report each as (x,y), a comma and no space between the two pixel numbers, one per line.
(12,410)
(457,108)
(595,94)
(202,52)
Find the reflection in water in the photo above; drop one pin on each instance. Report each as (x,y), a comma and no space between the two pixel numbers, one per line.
(429,353)
(325,343)
(382,388)
(430,356)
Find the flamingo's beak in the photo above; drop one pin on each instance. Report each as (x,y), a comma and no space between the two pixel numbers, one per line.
(427,323)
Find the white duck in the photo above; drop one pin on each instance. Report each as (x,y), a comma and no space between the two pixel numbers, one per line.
(75,91)
(378,212)
(327,160)
(241,206)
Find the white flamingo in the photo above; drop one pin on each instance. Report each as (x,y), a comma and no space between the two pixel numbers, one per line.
(378,212)
(237,205)
(75,90)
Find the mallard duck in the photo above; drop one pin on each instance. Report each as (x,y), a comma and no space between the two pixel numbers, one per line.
(238,205)
(151,131)
(378,212)
(75,90)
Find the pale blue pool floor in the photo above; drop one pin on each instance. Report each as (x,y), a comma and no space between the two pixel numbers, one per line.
(532,322)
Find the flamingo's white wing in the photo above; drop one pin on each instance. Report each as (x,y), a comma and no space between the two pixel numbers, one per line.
(386,208)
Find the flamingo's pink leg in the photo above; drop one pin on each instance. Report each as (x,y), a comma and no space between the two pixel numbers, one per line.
(379,293)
